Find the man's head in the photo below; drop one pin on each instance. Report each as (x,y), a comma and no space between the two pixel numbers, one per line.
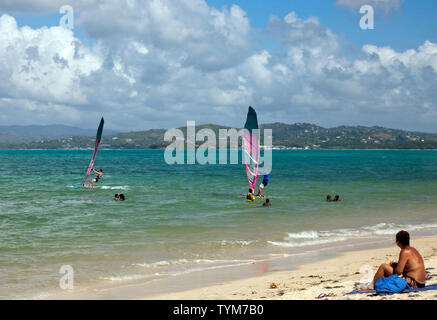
(403,238)
(101,170)
(250,190)
(267,200)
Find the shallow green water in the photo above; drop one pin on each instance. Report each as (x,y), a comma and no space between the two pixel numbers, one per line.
(179,218)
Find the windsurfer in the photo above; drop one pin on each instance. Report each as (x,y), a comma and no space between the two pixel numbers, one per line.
(96,148)
(97,178)
(251,151)
(263,184)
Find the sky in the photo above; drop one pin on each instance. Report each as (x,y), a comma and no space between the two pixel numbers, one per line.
(146,64)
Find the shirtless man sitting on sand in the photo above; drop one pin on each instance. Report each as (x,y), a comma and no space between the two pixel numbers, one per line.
(410,265)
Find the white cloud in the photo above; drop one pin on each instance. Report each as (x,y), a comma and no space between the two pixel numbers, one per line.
(45,64)
(381,86)
(196,33)
(162,62)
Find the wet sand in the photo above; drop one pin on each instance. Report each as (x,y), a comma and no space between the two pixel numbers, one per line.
(335,277)
(304,276)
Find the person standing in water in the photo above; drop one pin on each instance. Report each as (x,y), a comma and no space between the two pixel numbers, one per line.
(97,178)
(266,178)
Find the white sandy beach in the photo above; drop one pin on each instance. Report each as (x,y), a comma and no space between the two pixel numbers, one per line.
(336,276)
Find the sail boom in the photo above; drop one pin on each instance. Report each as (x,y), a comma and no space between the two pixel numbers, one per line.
(256,162)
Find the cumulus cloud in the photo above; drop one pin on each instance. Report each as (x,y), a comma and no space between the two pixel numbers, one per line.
(386,5)
(190,30)
(150,60)
(315,82)
(162,62)
(44,66)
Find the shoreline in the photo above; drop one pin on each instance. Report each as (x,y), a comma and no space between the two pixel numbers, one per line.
(336,276)
(323,270)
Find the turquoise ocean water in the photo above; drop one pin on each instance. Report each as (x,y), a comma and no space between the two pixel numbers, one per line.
(182,218)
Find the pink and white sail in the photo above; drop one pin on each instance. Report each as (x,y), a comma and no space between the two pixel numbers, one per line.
(251,148)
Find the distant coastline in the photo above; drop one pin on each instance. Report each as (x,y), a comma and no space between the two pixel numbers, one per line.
(299,136)
(274,149)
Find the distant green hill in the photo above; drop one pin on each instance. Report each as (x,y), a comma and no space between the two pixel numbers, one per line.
(303,135)
(299,135)
(25,134)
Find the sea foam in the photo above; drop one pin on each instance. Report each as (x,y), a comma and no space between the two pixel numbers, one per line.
(312,237)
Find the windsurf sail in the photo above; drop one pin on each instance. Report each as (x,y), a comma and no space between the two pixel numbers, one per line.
(96,148)
(251,147)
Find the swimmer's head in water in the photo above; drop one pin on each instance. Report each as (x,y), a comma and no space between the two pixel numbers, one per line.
(328,198)
(122,197)
(267,200)
(336,198)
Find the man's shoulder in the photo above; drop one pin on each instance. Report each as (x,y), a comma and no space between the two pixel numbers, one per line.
(408,251)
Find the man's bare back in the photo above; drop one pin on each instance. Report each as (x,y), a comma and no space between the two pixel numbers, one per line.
(411,266)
